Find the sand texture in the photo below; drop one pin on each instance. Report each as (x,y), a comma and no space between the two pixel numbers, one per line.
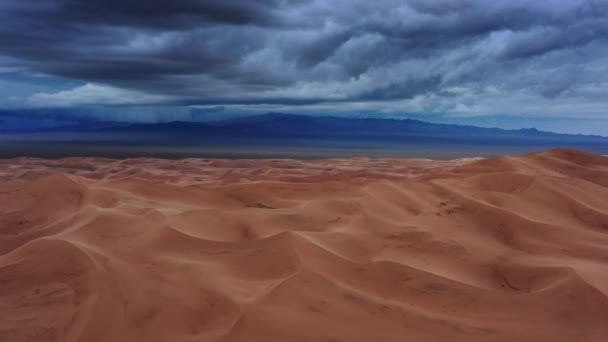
(507,249)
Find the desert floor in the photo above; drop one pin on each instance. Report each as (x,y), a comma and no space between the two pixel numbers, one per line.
(507,249)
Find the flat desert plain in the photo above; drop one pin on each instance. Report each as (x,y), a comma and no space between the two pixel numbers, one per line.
(507,249)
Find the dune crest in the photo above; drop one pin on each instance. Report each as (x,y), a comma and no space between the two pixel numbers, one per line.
(506,249)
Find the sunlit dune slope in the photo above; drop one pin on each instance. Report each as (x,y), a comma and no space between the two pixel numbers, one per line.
(507,249)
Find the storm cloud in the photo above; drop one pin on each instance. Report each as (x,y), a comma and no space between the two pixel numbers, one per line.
(428,56)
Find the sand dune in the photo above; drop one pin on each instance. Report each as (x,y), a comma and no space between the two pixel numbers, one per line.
(507,249)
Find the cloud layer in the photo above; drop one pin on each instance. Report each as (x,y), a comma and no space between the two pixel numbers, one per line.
(463,57)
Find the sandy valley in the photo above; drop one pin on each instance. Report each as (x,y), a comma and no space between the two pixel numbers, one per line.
(351,250)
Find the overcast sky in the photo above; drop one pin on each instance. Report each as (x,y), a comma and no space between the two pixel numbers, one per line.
(513,63)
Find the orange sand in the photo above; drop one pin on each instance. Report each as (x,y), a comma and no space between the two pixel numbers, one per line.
(507,249)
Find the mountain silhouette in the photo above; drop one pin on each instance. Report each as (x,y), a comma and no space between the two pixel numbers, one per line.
(282,135)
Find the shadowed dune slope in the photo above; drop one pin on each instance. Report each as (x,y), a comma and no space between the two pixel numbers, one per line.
(507,249)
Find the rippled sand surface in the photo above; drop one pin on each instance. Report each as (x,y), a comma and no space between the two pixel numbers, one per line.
(507,249)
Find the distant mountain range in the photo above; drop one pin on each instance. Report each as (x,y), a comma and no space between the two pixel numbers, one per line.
(290,125)
(274,130)
(280,125)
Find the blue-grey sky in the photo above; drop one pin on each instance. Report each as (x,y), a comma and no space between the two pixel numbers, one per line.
(503,63)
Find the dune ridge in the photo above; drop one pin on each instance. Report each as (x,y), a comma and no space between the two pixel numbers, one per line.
(506,249)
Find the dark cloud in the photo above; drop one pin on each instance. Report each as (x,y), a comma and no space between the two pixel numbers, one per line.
(305,52)
(405,89)
(165,14)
